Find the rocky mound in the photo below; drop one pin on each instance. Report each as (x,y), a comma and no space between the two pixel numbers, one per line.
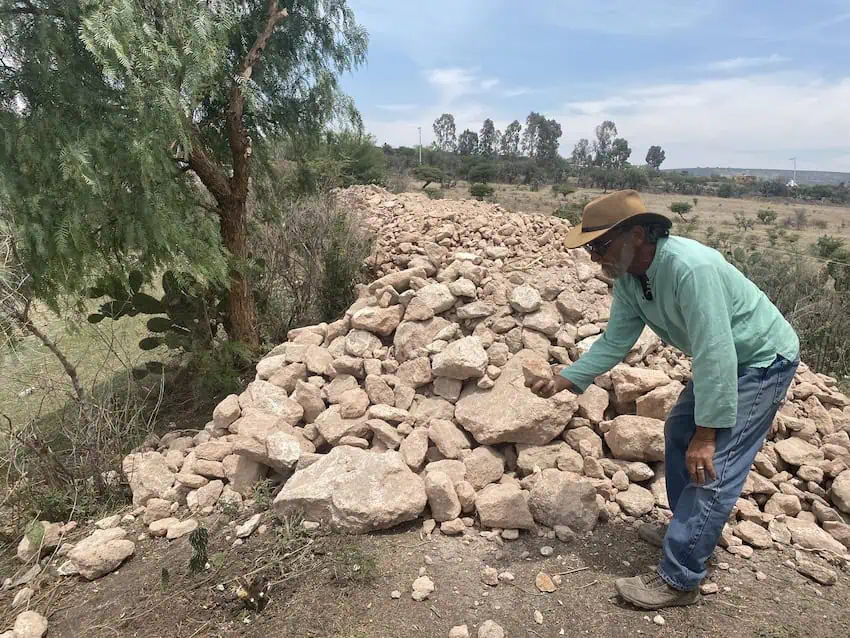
(415,402)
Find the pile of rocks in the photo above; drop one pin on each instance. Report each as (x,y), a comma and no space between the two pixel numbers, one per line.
(416,398)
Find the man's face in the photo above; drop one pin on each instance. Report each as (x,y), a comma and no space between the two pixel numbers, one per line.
(615,253)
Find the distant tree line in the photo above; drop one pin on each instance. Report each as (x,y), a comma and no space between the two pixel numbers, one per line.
(530,155)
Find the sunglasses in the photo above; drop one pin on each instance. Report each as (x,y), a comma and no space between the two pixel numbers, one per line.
(600,246)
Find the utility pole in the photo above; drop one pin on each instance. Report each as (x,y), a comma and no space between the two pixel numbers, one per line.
(420,145)
(794,159)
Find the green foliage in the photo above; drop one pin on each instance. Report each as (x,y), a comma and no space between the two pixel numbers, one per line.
(766,216)
(339,160)
(819,314)
(509,146)
(435,193)
(480,191)
(681,208)
(725,190)
(193,312)
(199,541)
(467,143)
(827,246)
(743,222)
(571,212)
(488,139)
(263,494)
(655,157)
(428,174)
(342,269)
(564,190)
(114,113)
(445,133)
(482,172)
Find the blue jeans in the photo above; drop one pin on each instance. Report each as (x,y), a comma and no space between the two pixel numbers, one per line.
(700,511)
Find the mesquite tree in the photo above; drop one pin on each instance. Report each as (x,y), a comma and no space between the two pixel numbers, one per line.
(133,130)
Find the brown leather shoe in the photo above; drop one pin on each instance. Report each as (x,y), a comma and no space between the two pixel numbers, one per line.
(649,591)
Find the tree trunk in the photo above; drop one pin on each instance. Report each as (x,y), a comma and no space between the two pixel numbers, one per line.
(241,307)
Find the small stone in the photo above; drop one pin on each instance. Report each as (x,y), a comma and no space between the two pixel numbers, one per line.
(181,529)
(538,617)
(546,550)
(490,576)
(29,624)
(510,534)
(22,597)
(816,572)
(248,527)
(659,620)
(709,588)
(109,522)
(460,631)
(564,534)
(422,588)
(395,594)
(453,527)
(490,629)
(544,583)
(761,576)
(506,577)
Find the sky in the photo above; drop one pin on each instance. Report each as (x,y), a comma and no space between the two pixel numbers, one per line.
(729,83)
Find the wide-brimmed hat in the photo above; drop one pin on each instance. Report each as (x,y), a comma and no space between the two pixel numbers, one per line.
(608,212)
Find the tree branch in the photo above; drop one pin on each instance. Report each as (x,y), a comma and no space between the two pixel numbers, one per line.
(240,144)
(208,171)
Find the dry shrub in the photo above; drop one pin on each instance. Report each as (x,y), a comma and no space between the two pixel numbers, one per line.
(309,261)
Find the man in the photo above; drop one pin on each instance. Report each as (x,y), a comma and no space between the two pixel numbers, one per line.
(744,358)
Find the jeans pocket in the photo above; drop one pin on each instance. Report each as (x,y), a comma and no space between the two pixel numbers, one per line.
(784,371)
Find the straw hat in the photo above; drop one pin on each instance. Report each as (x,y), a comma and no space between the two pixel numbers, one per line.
(608,212)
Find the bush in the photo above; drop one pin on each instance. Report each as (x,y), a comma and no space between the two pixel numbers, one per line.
(428,174)
(563,190)
(307,263)
(483,172)
(766,216)
(681,208)
(744,223)
(570,212)
(820,224)
(827,245)
(480,191)
(435,193)
(725,190)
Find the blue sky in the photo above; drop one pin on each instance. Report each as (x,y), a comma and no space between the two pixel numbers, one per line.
(715,82)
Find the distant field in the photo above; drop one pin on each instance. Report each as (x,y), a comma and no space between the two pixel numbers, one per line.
(824,219)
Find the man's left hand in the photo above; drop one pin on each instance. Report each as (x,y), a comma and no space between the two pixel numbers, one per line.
(700,456)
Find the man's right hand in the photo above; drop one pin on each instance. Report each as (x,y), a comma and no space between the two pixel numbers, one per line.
(549,387)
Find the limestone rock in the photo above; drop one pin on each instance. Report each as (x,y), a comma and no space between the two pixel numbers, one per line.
(148,474)
(379,321)
(795,451)
(332,489)
(808,535)
(40,537)
(512,413)
(753,534)
(636,500)
(29,624)
(632,383)
(636,438)
(503,506)
(442,498)
(840,491)
(559,498)
(658,403)
(462,359)
(101,553)
(484,465)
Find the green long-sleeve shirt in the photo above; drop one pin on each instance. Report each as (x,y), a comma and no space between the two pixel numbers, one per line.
(706,308)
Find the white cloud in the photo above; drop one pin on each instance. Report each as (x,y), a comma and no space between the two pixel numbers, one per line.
(737,64)
(756,121)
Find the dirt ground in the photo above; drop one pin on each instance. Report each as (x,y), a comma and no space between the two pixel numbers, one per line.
(340,586)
